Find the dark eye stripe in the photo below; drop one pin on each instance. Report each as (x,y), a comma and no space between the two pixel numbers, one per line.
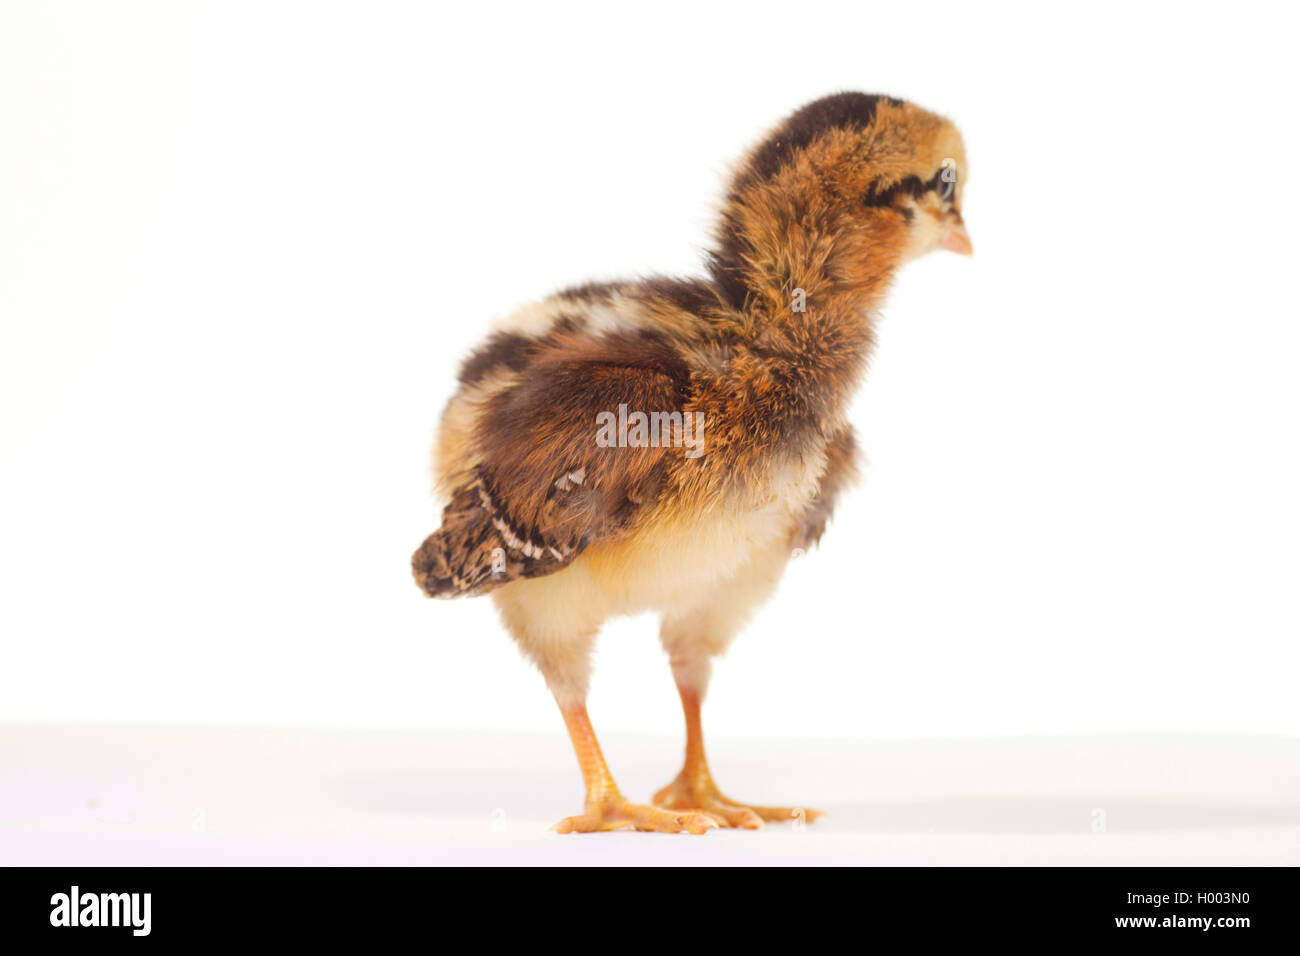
(912,186)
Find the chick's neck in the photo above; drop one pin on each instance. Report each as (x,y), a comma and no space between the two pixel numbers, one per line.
(808,272)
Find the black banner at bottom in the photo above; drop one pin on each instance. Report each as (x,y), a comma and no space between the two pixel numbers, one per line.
(179,905)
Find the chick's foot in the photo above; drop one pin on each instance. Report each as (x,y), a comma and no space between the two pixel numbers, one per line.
(616,813)
(703,795)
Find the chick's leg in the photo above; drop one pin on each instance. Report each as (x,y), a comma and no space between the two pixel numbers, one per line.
(692,637)
(694,787)
(558,636)
(606,808)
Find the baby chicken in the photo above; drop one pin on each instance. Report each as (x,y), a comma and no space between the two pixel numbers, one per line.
(668,444)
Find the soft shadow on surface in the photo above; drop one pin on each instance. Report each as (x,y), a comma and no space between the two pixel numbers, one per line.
(483,795)
(462,796)
(1104,784)
(1055,815)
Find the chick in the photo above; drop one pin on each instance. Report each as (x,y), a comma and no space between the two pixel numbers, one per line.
(667,444)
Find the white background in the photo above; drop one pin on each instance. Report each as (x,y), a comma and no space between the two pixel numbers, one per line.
(243,247)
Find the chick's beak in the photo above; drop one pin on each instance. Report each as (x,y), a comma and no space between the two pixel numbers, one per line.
(957,239)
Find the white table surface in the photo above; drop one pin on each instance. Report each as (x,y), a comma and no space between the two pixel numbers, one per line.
(188,796)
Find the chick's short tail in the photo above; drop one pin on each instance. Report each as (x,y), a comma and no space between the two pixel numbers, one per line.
(466,555)
(432,566)
(476,550)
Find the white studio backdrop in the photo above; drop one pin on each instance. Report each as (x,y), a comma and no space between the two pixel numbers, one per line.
(243,247)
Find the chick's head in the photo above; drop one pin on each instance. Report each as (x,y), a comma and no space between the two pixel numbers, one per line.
(891,170)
